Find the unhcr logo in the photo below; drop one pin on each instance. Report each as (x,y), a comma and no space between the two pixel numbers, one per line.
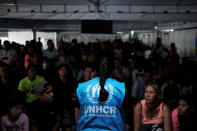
(93,91)
(100,111)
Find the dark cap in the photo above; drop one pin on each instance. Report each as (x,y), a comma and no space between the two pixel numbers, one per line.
(41,87)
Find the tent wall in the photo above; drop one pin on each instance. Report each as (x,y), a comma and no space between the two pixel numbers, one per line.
(184,40)
(18,36)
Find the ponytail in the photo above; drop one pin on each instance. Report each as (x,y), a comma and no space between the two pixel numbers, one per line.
(103,73)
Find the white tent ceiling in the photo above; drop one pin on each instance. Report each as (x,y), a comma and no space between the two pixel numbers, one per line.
(126,14)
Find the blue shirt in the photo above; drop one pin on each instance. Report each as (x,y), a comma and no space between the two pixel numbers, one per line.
(101,116)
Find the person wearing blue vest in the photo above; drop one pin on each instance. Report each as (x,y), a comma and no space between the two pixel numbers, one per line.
(100,100)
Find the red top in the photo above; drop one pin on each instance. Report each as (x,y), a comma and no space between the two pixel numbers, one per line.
(156,119)
(175,120)
(31,60)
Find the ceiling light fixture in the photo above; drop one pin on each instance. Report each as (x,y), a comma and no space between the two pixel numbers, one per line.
(165,12)
(120,11)
(119,32)
(75,11)
(188,11)
(8,10)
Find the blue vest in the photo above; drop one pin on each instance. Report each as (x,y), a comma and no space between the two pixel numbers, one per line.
(94,116)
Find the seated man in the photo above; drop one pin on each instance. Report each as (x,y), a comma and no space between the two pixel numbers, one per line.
(27,84)
(42,112)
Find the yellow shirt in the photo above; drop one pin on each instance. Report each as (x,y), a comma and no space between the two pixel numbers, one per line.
(27,86)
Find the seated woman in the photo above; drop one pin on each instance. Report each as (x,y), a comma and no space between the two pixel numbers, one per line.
(183,116)
(150,114)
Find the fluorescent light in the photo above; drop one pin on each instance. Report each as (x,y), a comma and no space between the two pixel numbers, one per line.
(172,30)
(132,32)
(119,32)
(168,30)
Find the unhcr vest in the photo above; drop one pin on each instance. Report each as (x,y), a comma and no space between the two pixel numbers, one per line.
(95,116)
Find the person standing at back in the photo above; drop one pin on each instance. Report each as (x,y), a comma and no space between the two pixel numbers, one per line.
(101,100)
(51,54)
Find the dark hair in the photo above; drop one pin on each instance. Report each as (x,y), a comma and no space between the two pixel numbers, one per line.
(156,88)
(158,39)
(153,109)
(104,68)
(6,42)
(74,40)
(49,41)
(62,65)
(31,66)
(172,45)
(186,120)
(15,99)
(3,64)
(172,76)
(188,99)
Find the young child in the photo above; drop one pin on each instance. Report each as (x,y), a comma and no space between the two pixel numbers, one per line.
(15,120)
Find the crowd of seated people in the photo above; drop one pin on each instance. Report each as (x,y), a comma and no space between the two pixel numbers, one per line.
(22,67)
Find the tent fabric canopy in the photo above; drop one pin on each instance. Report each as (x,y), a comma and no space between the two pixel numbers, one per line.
(134,13)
